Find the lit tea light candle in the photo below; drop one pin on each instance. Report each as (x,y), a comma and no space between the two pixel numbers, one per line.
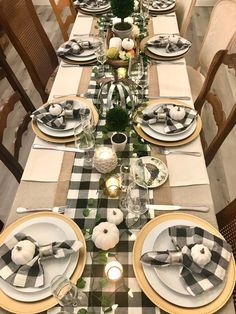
(105,159)
(121,72)
(113,186)
(113,270)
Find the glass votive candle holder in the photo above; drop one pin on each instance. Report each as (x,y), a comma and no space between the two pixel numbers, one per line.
(113,270)
(105,159)
(121,73)
(113,186)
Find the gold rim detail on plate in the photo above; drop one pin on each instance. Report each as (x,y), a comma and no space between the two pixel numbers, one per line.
(21,307)
(152,140)
(212,307)
(67,139)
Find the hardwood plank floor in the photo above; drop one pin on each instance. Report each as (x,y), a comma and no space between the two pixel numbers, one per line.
(222,174)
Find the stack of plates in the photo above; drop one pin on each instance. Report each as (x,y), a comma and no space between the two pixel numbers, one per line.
(44,228)
(94,8)
(163,285)
(163,6)
(64,135)
(87,56)
(161,53)
(154,133)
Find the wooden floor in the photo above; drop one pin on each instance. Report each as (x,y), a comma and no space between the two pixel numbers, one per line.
(222,174)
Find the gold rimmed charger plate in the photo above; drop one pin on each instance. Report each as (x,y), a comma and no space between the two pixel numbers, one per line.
(152,140)
(67,139)
(19,307)
(144,49)
(212,307)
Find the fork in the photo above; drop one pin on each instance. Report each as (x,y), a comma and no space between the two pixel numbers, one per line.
(164,151)
(57,209)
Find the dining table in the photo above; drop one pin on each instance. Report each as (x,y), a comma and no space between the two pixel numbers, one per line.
(55,178)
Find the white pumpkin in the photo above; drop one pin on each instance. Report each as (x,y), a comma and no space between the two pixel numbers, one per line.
(127,44)
(23,252)
(201,255)
(105,235)
(55,109)
(115,216)
(177,113)
(135,31)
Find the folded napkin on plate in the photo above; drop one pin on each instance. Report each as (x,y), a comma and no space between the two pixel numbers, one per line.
(55,115)
(162,4)
(31,274)
(171,43)
(162,115)
(75,47)
(90,3)
(198,278)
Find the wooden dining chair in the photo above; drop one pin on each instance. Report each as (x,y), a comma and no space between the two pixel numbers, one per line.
(11,159)
(224,124)
(61,8)
(220,35)
(7,72)
(23,28)
(184,12)
(226,219)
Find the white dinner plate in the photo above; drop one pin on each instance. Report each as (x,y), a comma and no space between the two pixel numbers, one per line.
(151,166)
(163,9)
(96,9)
(166,137)
(157,284)
(70,123)
(44,230)
(159,127)
(162,51)
(69,130)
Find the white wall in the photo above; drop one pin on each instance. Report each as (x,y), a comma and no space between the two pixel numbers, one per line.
(199,2)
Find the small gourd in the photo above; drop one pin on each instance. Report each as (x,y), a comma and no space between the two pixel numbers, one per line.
(105,235)
(177,113)
(115,216)
(127,44)
(55,109)
(201,255)
(23,252)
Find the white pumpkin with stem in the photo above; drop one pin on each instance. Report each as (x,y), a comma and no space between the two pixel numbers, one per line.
(127,44)
(105,236)
(201,255)
(177,113)
(23,252)
(115,216)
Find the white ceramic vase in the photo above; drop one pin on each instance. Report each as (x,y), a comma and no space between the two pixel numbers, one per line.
(118,141)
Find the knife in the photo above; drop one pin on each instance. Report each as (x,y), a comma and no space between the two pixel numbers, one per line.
(64,149)
(178,207)
(170,97)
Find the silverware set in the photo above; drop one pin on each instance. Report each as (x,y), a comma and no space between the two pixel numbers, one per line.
(165,151)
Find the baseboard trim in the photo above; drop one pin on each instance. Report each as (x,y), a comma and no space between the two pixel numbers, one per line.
(203,3)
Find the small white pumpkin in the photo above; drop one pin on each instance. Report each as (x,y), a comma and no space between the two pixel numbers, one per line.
(177,113)
(23,252)
(201,255)
(127,44)
(105,235)
(115,216)
(55,109)
(135,31)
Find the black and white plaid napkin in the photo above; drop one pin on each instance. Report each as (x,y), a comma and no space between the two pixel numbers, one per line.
(198,278)
(171,43)
(58,121)
(32,274)
(162,4)
(171,125)
(90,3)
(75,47)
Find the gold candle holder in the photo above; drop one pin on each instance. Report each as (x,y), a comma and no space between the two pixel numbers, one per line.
(113,270)
(113,186)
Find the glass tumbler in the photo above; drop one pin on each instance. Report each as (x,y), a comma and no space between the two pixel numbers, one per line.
(66,293)
(125,180)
